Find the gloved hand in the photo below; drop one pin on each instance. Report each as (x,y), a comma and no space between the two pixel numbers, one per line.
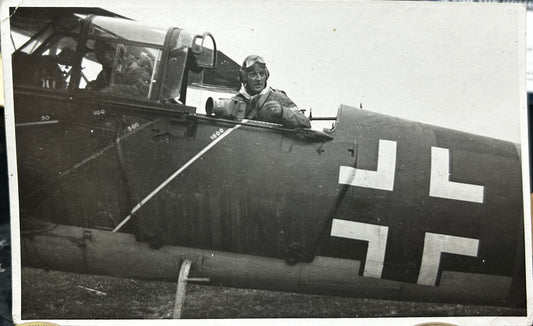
(274,109)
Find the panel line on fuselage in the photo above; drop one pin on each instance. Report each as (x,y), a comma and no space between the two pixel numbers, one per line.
(36,123)
(175,174)
(91,157)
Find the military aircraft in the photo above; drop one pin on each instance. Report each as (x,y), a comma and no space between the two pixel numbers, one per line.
(136,184)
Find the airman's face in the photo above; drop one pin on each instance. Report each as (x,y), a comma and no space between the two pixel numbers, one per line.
(255,79)
(105,54)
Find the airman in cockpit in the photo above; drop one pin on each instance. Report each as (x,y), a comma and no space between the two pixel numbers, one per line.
(257,101)
(122,73)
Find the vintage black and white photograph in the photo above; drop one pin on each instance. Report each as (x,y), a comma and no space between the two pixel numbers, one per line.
(200,160)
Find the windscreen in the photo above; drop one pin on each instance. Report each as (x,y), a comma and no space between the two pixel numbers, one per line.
(121,58)
(180,42)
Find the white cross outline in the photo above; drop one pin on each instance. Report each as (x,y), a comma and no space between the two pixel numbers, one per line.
(434,245)
(376,235)
(440,184)
(382,178)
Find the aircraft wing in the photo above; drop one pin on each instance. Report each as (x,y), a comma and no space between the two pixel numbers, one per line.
(29,20)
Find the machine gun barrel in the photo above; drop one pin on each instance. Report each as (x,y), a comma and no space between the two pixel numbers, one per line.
(322,118)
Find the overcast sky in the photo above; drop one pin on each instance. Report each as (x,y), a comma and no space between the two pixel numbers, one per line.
(453,65)
(456,65)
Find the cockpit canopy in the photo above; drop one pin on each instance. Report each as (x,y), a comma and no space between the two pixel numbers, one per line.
(111,55)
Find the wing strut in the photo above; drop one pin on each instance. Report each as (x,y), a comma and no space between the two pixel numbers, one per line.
(181,287)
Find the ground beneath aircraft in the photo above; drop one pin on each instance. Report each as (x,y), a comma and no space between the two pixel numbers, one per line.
(58,295)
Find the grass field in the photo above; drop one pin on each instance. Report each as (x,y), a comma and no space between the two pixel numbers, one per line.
(58,295)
